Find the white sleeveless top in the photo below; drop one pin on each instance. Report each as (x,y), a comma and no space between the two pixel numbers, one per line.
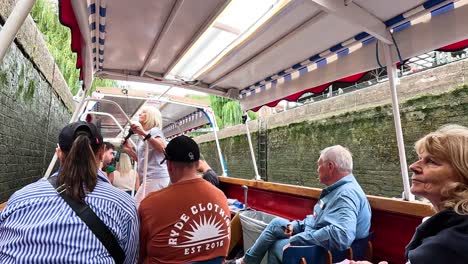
(124,182)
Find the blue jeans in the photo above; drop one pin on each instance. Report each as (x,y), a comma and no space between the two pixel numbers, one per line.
(272,239)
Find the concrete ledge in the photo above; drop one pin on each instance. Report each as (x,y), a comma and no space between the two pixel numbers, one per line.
(30,40)
(229,132)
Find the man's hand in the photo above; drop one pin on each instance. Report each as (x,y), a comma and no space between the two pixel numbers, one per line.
(203,166)
(288,230)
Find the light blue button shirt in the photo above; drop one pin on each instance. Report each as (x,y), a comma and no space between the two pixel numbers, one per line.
(38,226)
(341,215)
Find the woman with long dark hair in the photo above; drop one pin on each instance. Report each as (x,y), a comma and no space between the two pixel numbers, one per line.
(40,223)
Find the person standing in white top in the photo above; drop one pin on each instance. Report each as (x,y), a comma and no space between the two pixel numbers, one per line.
(150,128)
(125,178)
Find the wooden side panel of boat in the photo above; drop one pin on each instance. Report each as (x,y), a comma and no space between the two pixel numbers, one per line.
(2,205)
(393,221)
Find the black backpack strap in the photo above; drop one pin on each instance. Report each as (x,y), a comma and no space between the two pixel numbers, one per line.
(94,223)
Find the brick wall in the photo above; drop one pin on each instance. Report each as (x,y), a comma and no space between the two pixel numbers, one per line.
(295,137)
(35,103)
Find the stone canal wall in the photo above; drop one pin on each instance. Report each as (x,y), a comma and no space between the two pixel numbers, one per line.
(35,103)
(295,137)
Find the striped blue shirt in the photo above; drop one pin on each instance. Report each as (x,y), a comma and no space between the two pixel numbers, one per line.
(38,226)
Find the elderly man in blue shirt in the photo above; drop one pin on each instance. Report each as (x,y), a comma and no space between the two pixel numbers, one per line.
(341,215)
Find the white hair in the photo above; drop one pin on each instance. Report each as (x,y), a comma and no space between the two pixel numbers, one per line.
(153,118)
(339,155)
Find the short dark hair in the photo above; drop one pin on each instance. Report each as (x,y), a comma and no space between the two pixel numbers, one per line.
(109,145)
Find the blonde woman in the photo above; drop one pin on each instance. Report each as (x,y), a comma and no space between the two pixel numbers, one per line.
(441,176)
(125,178)
(150,128)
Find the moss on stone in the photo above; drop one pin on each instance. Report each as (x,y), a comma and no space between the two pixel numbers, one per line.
(29,94)
(21,79)
(460,91)
(4,82)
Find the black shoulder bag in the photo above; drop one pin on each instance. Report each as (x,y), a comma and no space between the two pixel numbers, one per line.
(87,215)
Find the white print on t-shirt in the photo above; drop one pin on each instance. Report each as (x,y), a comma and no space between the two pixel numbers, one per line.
(203,228)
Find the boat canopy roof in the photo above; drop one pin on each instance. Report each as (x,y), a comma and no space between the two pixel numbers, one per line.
(304,46)
(180,114)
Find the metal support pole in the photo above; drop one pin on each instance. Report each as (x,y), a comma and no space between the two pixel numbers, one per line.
(145,169)
(113,119)
(51,166)
(214,125)
(134,181)
(392,80)
(78,109)
(257,176)
(13,24)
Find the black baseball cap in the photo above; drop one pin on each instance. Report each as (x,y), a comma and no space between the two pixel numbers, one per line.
(182,149)
(71,131)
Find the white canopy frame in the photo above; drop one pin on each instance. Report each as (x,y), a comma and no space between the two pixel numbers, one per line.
(13,24)
(392,81)
(212,119)
(252,154)
(75,117)
(412,39)
(111,117)
(208,113)
(427,33)
(373,26)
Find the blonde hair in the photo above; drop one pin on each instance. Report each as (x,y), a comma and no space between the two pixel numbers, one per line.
(124,166)
(153,118)
(450,143)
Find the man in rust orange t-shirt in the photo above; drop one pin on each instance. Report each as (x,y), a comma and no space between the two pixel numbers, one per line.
(187,221)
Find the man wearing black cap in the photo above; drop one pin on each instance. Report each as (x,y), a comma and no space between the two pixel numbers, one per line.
(187,221)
